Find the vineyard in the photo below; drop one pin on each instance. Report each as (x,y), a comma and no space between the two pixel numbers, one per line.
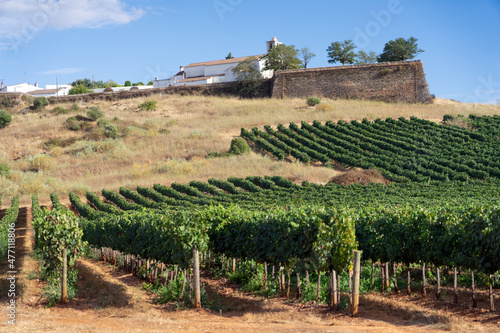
(440,212)
(274,221)
(403,150)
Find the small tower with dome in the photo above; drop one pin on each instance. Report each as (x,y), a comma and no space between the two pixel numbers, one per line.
(272,43)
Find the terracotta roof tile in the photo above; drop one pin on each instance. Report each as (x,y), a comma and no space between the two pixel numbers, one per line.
(221,62)
(199,78)
(44,91)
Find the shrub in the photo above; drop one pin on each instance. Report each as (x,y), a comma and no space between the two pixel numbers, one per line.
(385,71)
(103,122)
(312,101)
(4,169)
(42,163)
(111,131)
(108,89)
(8,102)
(5,118)
(447,117)
(239,146)
(59,110)
(57,142)
(95,113)
(148,105)
(75,107)
(74,126)
(325,107)
(27,99)
(40,102)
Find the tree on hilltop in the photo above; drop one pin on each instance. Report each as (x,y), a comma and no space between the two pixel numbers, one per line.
(248,77)
(342,52)
(282,57)
(400,49)
(306,55)
(366,58)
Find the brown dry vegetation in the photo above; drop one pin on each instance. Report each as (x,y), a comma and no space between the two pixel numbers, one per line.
(170,144)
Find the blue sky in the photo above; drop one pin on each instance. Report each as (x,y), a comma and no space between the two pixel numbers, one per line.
(140,40)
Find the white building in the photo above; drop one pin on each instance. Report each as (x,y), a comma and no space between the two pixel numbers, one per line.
(214,71)
(61,89)
(19,88)
(35,90)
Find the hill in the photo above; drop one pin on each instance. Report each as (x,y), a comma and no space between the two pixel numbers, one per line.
(60,149)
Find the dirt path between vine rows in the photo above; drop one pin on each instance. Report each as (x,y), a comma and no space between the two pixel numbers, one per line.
(111,300)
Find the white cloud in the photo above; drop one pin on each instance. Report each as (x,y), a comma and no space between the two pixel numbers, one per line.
(62,71)
(20,20)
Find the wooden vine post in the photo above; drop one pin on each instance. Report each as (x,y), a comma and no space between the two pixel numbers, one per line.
(196,277)
(64,278)
(424,289)
(490,294)
(474,302)
(355,288)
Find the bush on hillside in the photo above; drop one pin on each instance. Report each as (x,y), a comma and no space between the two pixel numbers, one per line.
(40,102)
(312,101)
(447,117)
(5,118)
(4,169)
(325,107)
(239,146)
(148,105)
(59,110)
(103,122)
(95,113)
(111,131)
(42,162)
(8,102)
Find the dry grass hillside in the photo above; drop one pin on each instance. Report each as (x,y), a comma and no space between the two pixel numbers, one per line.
(170,143)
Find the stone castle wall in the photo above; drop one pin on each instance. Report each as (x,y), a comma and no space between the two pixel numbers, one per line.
(402,81)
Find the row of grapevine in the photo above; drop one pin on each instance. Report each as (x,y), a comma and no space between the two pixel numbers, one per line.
(414,149)
(7,224)
(310,236)
(445,237)
(266,192)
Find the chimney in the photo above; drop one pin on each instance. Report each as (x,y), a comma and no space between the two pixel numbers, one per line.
(36,84)
(182,68)
(3,86)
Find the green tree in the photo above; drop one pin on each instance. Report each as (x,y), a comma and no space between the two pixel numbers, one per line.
(128,83)
(229,56)
(5,118)
(306,55)
(85,82)
(138,84)
(400,49)
(366,58)
(150,83)
(247,70)
(79,89)
(282,57)
(110,83)
(342,52)
(248,77)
